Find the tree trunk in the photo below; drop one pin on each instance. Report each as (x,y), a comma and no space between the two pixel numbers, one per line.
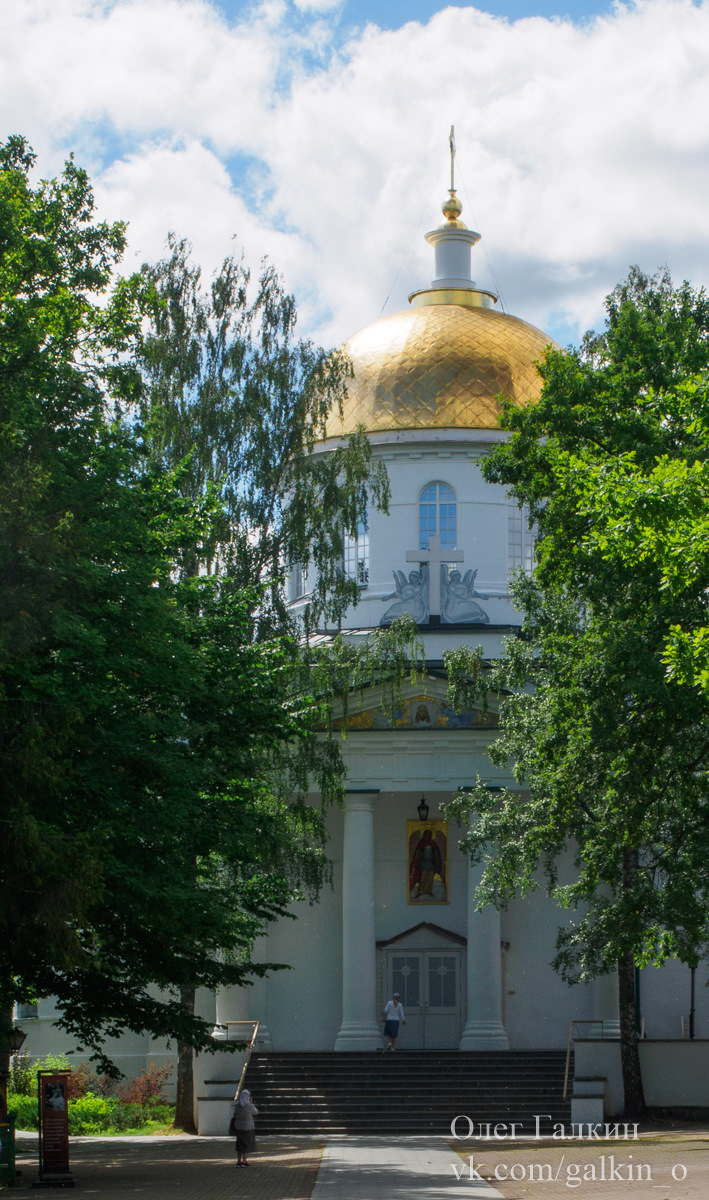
(184,1106)
(5,1031)
(629,1051)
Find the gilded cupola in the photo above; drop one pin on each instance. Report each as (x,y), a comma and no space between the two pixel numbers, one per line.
(445,361)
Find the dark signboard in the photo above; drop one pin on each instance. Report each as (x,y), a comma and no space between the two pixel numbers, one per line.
(53,1123)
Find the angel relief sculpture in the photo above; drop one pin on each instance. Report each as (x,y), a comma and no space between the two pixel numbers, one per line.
(411,597)
(457,603)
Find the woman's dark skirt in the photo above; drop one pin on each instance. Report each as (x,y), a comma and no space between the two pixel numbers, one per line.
(245,1141)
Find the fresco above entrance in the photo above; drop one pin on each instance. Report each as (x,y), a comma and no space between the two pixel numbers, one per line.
(419,713)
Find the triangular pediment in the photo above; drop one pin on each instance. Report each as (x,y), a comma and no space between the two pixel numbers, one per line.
(425,935)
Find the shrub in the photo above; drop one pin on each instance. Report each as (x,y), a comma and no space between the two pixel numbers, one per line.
(82,1081)
(23,1071)
(25,1110)
(148,1088)
(156,1116)
(91,1114)
(51,1062)
(137,1116)
(22,1079)
(98,1114)
(101,1085)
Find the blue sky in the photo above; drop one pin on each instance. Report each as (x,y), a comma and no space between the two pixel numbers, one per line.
(315,133)
(391,14)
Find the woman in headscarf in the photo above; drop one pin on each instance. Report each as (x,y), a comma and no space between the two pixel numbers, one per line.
(244,1114)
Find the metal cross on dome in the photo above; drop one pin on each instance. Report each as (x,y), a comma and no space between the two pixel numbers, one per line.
(434,556)
(451,143)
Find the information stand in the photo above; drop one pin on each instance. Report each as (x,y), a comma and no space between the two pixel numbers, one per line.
(52,1098)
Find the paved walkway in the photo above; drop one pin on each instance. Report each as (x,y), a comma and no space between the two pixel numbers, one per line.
(360,1168)
(352,1168)
(664,1165)
(184,1168)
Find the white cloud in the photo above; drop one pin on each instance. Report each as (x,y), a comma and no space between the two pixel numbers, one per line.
(319,6)
(584,147)
(166,186)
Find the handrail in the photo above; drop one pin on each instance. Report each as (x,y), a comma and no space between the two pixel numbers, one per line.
(249,1049)
(596,1021)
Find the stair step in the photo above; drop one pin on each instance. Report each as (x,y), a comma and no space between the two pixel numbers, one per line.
(409,1092)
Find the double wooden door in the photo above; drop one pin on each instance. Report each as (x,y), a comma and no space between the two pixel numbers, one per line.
(429,983)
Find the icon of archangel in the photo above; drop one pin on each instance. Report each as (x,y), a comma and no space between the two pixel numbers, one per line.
(411,597)
(428,862)
(457,603)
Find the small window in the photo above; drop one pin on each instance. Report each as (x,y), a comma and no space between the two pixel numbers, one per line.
(437,515)
(521,538)
(300,581)
(25,1012)
(355,558)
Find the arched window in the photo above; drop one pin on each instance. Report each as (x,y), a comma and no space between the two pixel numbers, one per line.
(437,515)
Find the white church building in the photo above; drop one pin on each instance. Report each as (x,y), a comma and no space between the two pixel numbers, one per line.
(401,915)
(425,389)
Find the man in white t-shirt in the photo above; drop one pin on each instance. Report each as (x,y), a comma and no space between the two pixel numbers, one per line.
(392,1015)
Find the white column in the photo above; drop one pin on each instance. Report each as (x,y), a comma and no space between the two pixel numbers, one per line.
(483,1029)
(606,1006)
(359,1029)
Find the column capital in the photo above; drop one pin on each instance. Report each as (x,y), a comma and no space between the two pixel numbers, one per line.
(361,800)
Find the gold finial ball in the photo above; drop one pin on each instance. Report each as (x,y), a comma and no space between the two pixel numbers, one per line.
(452,208)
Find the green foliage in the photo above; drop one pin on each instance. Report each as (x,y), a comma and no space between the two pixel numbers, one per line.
(232,392)
(90,1114)
(54,376)
(52,1062)
(146,843)
(106,1115)
(25,1109)
(611,751)
(611,765)
(350,665)
(613,757)
(22,1078)
(147,1090)
(235,396)
(159,722)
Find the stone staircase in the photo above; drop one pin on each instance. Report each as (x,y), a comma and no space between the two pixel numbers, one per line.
(407,1092)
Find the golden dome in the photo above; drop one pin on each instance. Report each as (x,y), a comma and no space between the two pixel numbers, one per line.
(439,366)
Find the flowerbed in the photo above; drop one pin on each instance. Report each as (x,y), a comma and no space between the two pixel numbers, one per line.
(96,1106)
(98,1115)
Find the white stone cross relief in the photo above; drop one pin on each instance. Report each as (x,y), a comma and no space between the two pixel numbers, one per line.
(434,556)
